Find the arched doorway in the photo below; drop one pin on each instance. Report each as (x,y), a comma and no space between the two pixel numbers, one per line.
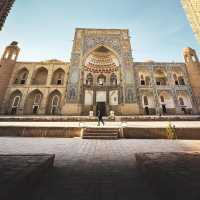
(58,77)
(14,102)
(167,103)
(101,80)
(40,76)
(21,77)
(53,105)
(33,103)
(113,79)
(184,102)
(161,77)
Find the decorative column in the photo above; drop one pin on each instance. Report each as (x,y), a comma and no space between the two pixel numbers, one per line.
(43,103)
(74,89)
(107,101)
(155,92)
(23,101)
(173,89)
(50,74)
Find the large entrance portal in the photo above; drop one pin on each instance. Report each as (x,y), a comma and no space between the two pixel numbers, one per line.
(101,80)
(102,107)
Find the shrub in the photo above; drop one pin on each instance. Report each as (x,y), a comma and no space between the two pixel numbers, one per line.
(171,132)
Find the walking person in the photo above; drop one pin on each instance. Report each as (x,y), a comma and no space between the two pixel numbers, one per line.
(100,117)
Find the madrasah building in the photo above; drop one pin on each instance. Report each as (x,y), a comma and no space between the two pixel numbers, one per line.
(101,75)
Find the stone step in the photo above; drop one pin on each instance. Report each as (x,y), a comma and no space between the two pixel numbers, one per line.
(102,129)
(107,132)
(100,133)
(101,137)
(97,130)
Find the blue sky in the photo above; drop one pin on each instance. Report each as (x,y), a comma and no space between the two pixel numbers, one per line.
(45,29)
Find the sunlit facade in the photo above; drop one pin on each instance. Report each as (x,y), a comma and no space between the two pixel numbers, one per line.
(192,9)
(101,75)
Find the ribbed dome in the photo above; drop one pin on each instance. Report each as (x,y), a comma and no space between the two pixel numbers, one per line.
(102,60)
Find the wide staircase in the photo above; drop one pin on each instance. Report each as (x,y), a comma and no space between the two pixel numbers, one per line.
(101,133)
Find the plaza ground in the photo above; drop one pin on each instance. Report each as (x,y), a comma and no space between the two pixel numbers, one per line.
(188,130)
(93,169)
(131,124)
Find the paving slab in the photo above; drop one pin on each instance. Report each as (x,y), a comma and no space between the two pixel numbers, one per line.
(19,173)
(93,169)
(172,175)
(131,124)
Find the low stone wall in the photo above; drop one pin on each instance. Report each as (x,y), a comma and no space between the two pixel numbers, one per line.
(144,133)
(132,133)
(40,132)
(161,133)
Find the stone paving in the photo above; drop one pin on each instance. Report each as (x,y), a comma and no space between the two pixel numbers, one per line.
(172,175)
(18,173)
(136,124)
(93,169)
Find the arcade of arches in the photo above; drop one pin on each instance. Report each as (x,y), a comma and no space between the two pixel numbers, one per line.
(37,90)
(34,103)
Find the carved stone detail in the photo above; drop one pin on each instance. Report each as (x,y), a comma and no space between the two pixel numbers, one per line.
(110,41)
(130,95)
(72,94)
(86,41)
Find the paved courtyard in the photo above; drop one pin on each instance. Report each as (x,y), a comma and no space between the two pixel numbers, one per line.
(93,169)
(20,173)
(136,124)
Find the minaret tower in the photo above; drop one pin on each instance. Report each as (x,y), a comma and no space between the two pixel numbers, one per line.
(7,64)
(193,68)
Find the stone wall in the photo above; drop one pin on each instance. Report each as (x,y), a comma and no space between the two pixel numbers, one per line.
(131,133)
(161,133)
(30,87)
(40,132)
(177,86)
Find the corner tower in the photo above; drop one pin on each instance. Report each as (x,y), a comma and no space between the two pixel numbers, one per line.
(101,73)
(7,65)
(193,68)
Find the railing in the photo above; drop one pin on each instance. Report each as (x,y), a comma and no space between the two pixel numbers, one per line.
(103,85)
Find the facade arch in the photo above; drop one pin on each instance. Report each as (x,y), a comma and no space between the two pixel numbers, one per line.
(14,102)
(99,46)
(40,76)
(113,79)
(21,77)
(184,102)
(161,77)
(54,103)
(101,80)
(89,79)
(33,102)
(167,103)
(58,77)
